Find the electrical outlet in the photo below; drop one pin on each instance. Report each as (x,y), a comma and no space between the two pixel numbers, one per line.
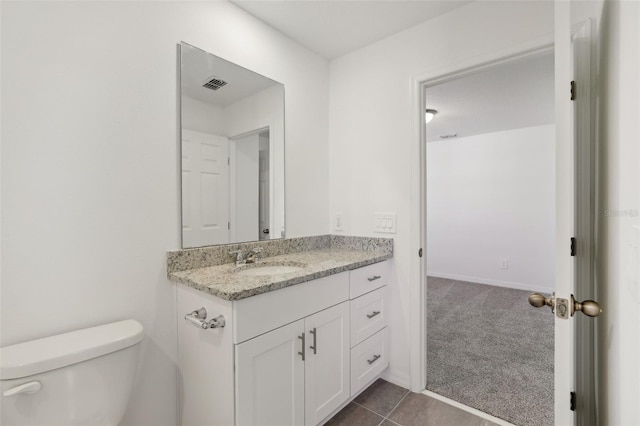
(504,264)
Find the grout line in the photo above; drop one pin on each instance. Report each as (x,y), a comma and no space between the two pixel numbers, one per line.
(369,409)
(384,417)
(396,406)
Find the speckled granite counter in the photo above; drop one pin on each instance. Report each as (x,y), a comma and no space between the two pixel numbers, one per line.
(208,269)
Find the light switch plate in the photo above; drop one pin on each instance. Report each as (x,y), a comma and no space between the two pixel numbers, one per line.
(384,222)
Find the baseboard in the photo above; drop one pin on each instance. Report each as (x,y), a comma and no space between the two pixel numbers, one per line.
(497,283)
(400,380)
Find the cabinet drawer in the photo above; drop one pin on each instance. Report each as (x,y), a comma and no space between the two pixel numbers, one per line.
(369,359)
(259,314)
(368,278)
(368,315)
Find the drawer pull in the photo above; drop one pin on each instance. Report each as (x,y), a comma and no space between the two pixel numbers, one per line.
(375,358)
(373,314)
(301,337)
(375,277)
(315,344)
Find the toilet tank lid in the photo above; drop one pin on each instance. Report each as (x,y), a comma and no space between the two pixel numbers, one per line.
(46,354)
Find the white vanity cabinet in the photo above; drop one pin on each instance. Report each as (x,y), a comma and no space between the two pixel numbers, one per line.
(287,357)
(297,374)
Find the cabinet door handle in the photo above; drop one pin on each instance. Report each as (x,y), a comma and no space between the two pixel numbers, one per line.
(375,358)
(375,277)
(315,343)
(301,337)
(371,315)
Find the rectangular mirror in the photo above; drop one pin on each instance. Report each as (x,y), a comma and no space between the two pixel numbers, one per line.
(232,122)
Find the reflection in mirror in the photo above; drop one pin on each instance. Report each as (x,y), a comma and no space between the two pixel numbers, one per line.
(232,152)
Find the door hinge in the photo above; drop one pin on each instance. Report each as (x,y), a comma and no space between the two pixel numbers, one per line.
(573,90)
(229,226)
(573,246)
(420,253)
(228,161)
(573,401)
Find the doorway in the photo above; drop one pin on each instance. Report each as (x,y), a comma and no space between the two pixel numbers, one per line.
(490,238)
(250,182)
(575,366)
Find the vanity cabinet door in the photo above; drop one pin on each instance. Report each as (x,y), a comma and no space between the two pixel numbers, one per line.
(270,378)
(327,380)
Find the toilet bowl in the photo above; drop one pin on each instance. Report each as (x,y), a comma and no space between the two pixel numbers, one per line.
(79,378)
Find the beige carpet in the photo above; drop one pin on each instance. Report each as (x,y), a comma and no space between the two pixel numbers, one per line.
(489,349)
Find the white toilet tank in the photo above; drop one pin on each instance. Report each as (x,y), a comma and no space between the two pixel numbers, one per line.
(79,378)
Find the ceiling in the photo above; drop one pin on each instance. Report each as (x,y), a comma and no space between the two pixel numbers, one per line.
(198,67)
(335,27)
(514,95)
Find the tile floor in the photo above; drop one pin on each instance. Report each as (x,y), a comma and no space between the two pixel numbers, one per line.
(385,404)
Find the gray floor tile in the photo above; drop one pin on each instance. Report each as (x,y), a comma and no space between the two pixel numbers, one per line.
(381,397)
(355,415)
(421,410)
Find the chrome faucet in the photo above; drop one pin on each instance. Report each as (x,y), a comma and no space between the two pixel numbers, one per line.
(252,256)
(240,260)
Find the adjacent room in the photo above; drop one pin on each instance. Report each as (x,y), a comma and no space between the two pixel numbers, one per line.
(490,238)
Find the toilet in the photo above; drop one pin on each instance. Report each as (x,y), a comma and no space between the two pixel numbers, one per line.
(79,378)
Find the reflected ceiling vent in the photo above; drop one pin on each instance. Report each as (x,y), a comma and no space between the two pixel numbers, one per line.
(449,136)
(214,83)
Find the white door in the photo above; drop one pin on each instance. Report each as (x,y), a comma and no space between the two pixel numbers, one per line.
(205,189)
(573,219)
(564,328)
(327,362)
(270,378)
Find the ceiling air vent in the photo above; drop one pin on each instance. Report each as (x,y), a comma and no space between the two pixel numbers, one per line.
(214,83)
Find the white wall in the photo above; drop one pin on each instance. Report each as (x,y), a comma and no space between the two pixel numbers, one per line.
(202,117)
(492,197)
(90,167)
(619,215)
(245,194)
(373,146)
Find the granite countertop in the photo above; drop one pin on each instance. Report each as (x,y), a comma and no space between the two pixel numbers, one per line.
(224,281)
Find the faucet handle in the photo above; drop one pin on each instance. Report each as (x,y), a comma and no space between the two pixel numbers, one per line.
(238,254)
(253,255)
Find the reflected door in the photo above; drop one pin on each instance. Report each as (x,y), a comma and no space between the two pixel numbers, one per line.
(205,193)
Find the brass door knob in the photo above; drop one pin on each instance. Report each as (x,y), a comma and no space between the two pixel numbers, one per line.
(538,300)
(588,307)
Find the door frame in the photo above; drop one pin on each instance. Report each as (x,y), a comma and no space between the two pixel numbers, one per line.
(418,317)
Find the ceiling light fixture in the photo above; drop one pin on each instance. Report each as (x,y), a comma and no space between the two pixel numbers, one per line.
(428,115)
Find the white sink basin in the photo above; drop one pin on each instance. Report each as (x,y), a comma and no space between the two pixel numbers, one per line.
(260,271)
